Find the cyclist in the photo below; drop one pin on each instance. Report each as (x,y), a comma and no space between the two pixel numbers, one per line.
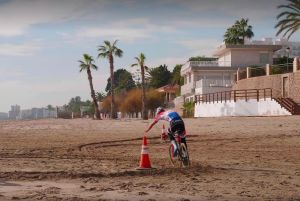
(176,125)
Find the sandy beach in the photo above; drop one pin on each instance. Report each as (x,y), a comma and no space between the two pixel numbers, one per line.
(248,158)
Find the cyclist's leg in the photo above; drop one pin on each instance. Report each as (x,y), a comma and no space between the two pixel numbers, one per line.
(172,138)
(183,134)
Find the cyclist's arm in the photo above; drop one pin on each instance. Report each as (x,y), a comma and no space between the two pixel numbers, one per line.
(151,125)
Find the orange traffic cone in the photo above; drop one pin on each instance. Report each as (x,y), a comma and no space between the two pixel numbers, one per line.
(145,160)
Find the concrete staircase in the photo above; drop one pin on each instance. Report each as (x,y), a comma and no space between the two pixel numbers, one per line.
(289,105)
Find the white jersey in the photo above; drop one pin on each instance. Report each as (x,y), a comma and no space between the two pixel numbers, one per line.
(168,116)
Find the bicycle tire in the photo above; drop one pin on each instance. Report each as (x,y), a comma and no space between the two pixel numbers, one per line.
(174,160)
(184,155)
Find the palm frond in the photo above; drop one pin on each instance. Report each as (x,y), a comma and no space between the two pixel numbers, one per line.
(283,22)
(142,57)
(138,59)
(114,43)
(288,14)
(293,31)
(290,18)
(287,25)
(93,66)
(103,54)
(102,48)
(291,7)
(82,66)
(107,43)
(118,52)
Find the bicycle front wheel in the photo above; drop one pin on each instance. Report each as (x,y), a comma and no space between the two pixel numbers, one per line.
(175,160)
(185,159)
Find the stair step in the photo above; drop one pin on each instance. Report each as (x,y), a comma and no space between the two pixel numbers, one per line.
(289,105)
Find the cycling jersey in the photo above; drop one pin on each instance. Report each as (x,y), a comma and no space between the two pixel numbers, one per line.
(176,124)
(168,116)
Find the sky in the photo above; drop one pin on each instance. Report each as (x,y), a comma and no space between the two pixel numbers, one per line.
(41,41)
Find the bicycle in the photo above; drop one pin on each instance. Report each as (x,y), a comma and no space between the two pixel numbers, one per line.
(182,155)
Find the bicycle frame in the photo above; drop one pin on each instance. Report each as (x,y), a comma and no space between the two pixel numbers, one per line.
(183,160)
(177,138)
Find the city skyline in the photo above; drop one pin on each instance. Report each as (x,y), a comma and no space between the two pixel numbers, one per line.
(42,40)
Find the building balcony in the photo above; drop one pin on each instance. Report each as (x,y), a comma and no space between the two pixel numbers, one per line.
(214,83)
(188,89)
(210,63)
(204,65)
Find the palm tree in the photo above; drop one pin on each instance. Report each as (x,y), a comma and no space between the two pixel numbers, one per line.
(289,19)
(231,36)
(86,65)
(141,63)
(176,77)
(244,30)
(108,51)
(237,33)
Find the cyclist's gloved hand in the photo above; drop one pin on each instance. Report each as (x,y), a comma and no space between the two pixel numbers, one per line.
(163,136)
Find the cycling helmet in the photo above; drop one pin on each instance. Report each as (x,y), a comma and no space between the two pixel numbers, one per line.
(159,110)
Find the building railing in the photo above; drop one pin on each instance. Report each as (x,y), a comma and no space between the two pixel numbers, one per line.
(234,95)
(250,72)
(210,63)
(204,63)
(214,83)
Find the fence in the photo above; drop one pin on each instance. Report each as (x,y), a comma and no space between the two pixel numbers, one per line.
(282,68)
(262,71)
(234,95)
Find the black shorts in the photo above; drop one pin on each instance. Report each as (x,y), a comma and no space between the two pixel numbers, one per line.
(177,126)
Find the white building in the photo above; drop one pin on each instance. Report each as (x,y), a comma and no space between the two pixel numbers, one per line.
(202,77)
(14,113)
(38,113)
(292,51)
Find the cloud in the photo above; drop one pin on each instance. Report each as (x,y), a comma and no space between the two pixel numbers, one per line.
(25,49)
(129,30)
(199,47)
(234,8)
(11,73)
(17,16)
(124,34)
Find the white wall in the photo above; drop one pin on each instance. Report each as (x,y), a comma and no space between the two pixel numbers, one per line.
(225,59)
(252,107)
(245,58)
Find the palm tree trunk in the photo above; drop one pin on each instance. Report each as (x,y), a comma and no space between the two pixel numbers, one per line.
(97,112)
(144,107)
(112,79)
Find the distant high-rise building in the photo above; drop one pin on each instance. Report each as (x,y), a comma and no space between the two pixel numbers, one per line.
(38,113)
(15,112)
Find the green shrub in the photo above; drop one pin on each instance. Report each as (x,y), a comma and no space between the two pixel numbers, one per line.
(188,109)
